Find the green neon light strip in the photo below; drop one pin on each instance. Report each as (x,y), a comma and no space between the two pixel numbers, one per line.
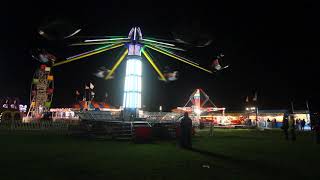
(153,65)
(97,49)
(178,58)
(174,48)
(99,37)
(162,40)
(109,39)
(97,43)
(164,46)
(117,64)
(168,51)
(158,42)
(89,53)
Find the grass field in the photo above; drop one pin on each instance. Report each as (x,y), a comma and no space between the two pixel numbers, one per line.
(229,154)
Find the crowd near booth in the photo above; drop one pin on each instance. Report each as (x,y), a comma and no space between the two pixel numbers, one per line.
(262,119)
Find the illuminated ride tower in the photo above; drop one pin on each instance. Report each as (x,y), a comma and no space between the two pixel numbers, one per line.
(135,46)
(132,85)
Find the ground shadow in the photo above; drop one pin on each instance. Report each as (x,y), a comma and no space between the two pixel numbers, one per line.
(214,155)
(250,164)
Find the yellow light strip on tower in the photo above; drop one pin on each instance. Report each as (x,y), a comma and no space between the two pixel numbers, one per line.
(88,54)
(154,65)
(178,58)
(117,64)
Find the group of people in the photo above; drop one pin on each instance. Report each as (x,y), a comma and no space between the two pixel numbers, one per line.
(300,124)
(290,125)
(273,122)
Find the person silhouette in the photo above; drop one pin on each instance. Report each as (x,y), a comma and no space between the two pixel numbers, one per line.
(302,124)
(285,127)
(185,130)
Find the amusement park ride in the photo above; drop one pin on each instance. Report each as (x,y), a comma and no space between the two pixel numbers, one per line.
(135,46)
(42,87)
(198,105)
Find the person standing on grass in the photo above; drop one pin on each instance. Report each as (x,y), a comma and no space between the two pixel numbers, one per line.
(317,131)
(298,121)
(312,123)
(302,124)
(274,123)
(211,128)
(285,127)
(185,131)
(292,128)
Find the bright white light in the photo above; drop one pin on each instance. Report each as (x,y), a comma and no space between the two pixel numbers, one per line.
(41,32)
(132,87)
(22,108)
(197,111)
(247,109)
(253,108)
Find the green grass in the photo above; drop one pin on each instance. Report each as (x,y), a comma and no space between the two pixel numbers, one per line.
(231,154)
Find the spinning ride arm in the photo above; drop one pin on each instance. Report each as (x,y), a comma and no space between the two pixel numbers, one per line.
(163,51)
(117,64)
(164,46)
(157,42)
(153,65)
(89,53)
(101,41)
(173,53)
(95,43)
(161,44)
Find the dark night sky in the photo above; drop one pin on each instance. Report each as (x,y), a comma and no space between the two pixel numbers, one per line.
(268,45)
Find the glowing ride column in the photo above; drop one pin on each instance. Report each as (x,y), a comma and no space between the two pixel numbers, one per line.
(132,86)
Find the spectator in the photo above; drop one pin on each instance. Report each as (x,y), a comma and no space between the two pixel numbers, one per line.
(285,126)
(317,131)
(312,123)
(302,124)
(274,123)
(185,130)
(211,128)
(297,124)
(292,128)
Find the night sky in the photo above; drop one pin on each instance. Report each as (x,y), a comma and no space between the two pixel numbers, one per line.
(269,47)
